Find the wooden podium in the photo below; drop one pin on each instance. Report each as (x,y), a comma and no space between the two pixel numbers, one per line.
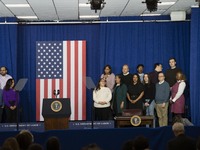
(56,113)
(125,119)
(122,121)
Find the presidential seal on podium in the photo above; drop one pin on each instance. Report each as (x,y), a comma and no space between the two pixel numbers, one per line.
(56,106)
(135,120)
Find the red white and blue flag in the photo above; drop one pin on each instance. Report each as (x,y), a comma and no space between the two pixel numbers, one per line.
(61,65)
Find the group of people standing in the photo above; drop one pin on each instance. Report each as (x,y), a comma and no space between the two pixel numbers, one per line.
(8,98)
(149,91)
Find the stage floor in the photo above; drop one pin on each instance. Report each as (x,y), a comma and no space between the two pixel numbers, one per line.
(39,126)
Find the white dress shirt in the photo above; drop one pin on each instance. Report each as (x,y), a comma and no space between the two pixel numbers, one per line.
(3,80)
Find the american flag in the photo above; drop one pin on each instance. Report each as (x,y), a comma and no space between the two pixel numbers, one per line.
(61,65)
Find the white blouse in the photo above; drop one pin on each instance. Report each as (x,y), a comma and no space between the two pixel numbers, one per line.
(103,94)
(181,89)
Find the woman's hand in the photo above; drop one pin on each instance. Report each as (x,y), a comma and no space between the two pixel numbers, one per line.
(102,102)
(133,101)
(12,107)
(122,105)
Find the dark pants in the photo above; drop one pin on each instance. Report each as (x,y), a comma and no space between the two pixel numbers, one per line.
(11,115)
(103,113)
(1,114)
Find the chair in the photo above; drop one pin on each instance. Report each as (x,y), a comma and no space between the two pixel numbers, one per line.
(132,112)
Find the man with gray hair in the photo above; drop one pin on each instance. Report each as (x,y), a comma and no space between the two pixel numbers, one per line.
(162,99)
(181,141)
(127,78)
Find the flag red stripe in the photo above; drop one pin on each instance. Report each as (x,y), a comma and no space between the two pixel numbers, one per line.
(61,88)
(76,80)
(53,88)
(38,100)
(83,76)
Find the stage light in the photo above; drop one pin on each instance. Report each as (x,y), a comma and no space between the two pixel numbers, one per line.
(198,2)
(152,5)
(96,4)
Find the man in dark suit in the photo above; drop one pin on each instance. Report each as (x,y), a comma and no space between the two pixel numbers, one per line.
(181,141)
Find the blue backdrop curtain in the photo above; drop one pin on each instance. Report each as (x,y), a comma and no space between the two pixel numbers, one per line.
(194,65)
(146,43)
(8,48)
(115,44)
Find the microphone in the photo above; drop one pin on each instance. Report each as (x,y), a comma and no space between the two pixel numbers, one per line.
(58,92)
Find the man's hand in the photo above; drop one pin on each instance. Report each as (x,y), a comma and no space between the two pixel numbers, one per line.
(146,104)
(163,105)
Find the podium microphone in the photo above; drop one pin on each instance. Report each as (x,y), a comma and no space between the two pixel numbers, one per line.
(58,92)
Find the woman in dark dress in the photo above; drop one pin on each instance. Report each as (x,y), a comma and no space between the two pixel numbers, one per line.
(149,95)
(11,100)
(119,96)
(135,93)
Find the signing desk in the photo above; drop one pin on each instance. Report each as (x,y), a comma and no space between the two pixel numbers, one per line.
(123,121)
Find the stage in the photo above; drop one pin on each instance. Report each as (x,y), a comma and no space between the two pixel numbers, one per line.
(107,138)
(39,126)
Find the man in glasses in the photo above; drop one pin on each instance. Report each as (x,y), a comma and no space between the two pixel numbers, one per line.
(162,100)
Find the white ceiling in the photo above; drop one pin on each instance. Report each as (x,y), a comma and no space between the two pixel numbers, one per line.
(51,10)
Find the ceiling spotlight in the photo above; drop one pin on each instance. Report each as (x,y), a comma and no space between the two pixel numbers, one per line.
(152,5)
(97,4)
(198,2)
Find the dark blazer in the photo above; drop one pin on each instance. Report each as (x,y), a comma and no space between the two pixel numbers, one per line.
(182,142)
(119,95)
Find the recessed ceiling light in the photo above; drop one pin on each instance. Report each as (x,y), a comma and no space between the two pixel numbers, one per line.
(89,17)
(17,5)
(195,6)
(26,17)
(166,3)
(150,14)
(84,5)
